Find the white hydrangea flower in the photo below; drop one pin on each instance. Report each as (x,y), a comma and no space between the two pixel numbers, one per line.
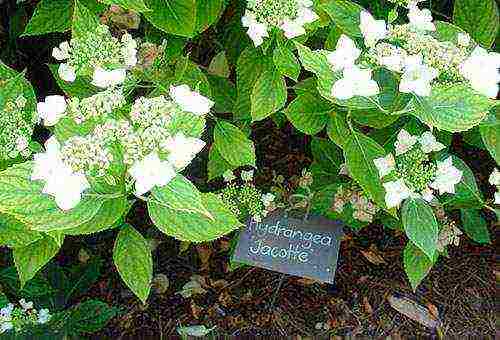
(66,72)
(61,182)
(385,165)
(447,176)
(228,176)
(129,50)
(25,305)
(6,318)
(394,62)
(103,78)
(355,82)
(295,28)
(372,30)
(190,101)
(404,142)
(150,172)
(427,194)
(257,31)
(52,109)
(345,55)
(482,70)
(268,199)
(182,149)
(417,77)
(396,192)
(495,178)
(247,176)
(420,19)
(497,198)
(62,52)
(463,39)
(429,143)
(43,316)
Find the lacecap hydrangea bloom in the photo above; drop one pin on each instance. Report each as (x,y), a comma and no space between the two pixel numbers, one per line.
(411,172)
(99,55)
(412,51)
(290,16)
(495,180)
(19,318)
(158,138)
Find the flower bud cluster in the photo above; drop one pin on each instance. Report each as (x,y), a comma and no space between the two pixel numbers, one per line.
(364,210)
(96,107)
(15,129)
(246,200)
(20,318)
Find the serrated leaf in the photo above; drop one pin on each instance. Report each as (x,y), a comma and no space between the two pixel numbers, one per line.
(173,16)
(15,234)
(217,165)
(181,195)
(23,199)
(84,20)
(50,16)
(223,93)
(420,225)
(489,131)
(417,265)
(327,154)
(248,69)
(207,13)
(133,260)
(345,14)
(308,113)
(194,227)
(453,108)
(359,153)
(285,61)
(233,145)
(269,93)
(475,226)
(337,128)
(134,5)
(87,317)
(31,258)
(478,17)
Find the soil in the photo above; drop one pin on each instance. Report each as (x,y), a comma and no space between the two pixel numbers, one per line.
(249,302)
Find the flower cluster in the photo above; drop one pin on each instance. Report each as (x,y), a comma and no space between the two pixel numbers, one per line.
(288,15)
(19,318)
(154,143)
(98,54)
(246,200)
(16,129)
(411,50)
(413,172)
(364,210)
(495,180)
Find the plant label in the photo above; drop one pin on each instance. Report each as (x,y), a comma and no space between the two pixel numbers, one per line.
(292,246)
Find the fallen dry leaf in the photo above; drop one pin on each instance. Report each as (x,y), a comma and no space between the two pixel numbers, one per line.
(204,252)
(414,311)
(373,255)
(366,305)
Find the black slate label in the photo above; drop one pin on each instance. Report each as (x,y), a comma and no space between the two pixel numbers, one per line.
(292,246)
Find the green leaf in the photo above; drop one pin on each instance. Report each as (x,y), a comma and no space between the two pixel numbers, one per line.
(84,20)
(173,16)
(223,93)
(454,107)
(31,258)
(345,14)
(359,153)
(420,225)
(87,317)
(308,113)
(269,93)
(181,195)
(446,31)
(132,258)
(195,227)
(478,17)
(207,13)
(219,66)
(49,16)
(134,5)
(285,61)
(467,193)
(489,130)
(475,225)
(15,234)
(417,264)
(187,72)
(326,154)
(248,69)
(23,199)
(233,145)
(217,165)
(337,128)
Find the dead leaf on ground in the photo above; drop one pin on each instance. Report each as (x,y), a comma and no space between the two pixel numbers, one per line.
(204,252)
(373,255)
(366,306)
(414,311)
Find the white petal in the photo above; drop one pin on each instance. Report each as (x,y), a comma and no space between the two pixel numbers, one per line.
(385,165)
(66,73)
(190,101)
(343,89)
